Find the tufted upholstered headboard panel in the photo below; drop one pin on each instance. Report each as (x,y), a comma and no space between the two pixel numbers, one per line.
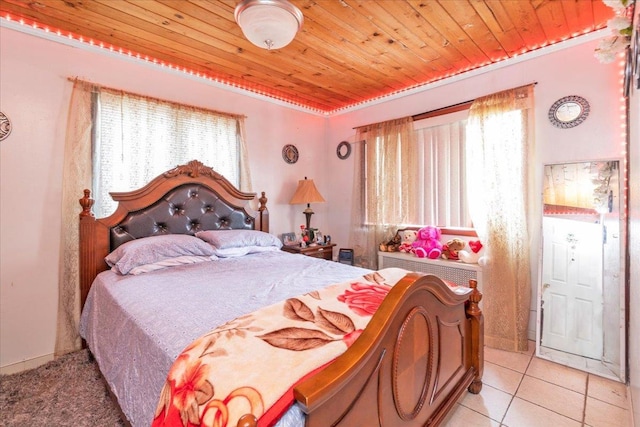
(184,210)
(184,200)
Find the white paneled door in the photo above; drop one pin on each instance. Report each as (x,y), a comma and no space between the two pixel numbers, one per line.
(572,287)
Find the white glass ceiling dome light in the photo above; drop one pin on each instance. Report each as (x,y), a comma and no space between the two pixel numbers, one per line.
(269,24)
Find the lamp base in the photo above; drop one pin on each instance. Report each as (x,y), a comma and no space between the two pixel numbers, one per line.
(308,212)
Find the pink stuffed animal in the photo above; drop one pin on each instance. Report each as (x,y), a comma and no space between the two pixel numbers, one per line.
(427,244)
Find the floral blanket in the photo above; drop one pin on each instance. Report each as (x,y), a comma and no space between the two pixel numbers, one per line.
(251,364)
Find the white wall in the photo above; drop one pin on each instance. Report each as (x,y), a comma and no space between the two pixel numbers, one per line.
(35,96)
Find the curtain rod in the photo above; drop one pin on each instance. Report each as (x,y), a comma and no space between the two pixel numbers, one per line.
(96,85)
(465,105)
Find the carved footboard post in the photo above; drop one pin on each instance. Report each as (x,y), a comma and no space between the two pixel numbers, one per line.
(477,336)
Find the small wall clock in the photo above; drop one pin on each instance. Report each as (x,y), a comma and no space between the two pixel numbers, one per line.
(569,111)
(290,154)
(344,150)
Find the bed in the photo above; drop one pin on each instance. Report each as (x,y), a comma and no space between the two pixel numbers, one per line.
(419,351)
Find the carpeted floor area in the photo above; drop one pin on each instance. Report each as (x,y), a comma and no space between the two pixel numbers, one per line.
(69,391)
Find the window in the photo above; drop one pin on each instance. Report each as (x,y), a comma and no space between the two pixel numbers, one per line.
(137,138)
(427,183)
(442,171)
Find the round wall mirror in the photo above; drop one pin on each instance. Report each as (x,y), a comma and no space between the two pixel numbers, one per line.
(569,112)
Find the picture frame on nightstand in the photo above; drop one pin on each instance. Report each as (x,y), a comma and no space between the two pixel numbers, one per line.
(289,239)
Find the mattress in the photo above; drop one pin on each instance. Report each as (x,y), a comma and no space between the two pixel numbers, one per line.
(136,326)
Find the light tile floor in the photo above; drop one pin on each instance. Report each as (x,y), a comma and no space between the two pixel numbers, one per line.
(521,390)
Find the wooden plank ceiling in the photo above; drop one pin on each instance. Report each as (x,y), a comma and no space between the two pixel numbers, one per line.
(347,52)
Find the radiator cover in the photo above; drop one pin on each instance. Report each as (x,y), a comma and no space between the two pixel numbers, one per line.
(453,271)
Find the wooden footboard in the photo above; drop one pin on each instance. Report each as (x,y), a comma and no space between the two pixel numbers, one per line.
(421,350)
(419,353)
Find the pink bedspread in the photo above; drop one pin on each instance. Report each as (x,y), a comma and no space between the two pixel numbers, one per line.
(251,364)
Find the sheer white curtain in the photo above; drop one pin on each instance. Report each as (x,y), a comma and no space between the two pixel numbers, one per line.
(76,176)
(499,173)
(137,138)
(385,190)
(131,147)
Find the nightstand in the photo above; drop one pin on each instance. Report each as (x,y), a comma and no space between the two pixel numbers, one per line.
(319,251)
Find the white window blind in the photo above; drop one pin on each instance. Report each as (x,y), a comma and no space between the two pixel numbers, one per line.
(137,138)
(441,173)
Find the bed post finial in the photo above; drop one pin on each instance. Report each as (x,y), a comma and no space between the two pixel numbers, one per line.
(263,202)
(86,202)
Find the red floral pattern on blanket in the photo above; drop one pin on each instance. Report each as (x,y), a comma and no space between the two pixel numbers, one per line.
(251,364)
(365,298)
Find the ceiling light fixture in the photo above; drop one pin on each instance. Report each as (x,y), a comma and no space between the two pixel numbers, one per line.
(269,24)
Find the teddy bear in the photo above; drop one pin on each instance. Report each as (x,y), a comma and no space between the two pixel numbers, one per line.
(451,249)
(391,245)
(427,243)
(475,256)
(408,237)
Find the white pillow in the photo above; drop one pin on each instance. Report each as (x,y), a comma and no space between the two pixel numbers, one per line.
(223,239)
(245,250)
(170,262)
(149,250)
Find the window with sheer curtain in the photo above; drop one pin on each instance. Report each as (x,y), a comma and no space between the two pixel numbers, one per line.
(137,138)
(436,168)
(442,172)
(407,174)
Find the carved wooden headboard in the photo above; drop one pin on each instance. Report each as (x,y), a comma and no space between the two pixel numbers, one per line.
(184,200)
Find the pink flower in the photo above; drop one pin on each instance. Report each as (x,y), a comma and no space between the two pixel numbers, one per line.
(365,298)
(192,386)
(187,388)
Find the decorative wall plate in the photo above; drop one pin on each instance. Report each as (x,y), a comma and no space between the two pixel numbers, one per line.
(569,111)
(290,154)
(5,126)
(344,150)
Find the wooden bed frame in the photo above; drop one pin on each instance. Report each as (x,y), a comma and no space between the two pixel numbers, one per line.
(421,350)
